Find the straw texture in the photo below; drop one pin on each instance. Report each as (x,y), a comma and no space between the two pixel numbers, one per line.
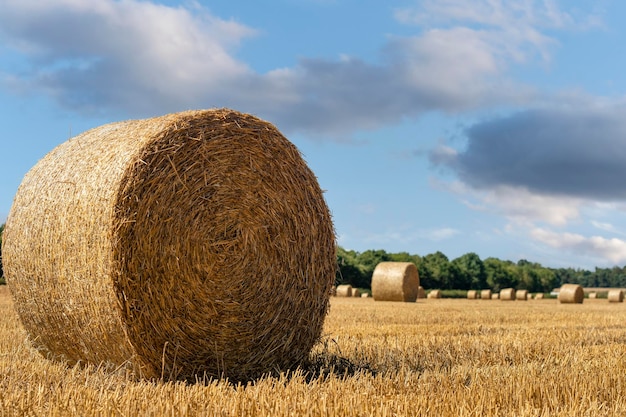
(571,294)
(615,296)
(395,281)
(189,244)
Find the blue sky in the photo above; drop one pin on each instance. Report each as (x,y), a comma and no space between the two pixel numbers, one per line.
(495,127)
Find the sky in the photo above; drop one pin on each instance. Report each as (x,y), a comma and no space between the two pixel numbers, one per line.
(493,126)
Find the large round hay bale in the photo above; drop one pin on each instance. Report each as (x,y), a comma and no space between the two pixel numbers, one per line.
(615,296)
(485,294)
(395,281)
(473,295)
(571,294)
(188,244)
(434,294)
(507,294)
(344,290)
(521,295)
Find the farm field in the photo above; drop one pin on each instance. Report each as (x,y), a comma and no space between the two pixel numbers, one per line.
(446,357)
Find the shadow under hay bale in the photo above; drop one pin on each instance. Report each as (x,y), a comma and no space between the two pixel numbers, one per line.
(395,281)
(571,294)
(188,244)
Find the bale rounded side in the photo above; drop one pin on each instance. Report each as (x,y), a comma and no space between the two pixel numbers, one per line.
(615,296)
(521,295)
(507,294)
(344,290)
(188,244)
(571,294)
(395,281)
(473,295)
(485,294)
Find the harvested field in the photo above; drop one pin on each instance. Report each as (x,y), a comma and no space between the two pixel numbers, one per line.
(447,357)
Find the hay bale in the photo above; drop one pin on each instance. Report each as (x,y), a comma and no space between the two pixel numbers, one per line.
(188,244)
(365,295)
(485,295)
(495,296)
(615,296)
(507,294)
(344,290)
(571,294)
(521,295)
(473,295)
(434,294)
(395,281)
(420,292)
(539,296)
(356,292)
(593,295)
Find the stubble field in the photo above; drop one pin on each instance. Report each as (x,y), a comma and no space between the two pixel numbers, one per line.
(430,358)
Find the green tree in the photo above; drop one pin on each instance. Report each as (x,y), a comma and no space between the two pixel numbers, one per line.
(471,272)
(367,262)
(500,274)
(348,271)
(437,271)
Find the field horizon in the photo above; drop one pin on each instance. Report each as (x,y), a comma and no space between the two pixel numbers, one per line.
(445,357)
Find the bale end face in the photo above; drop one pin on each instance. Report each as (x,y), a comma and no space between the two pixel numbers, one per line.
(197,242)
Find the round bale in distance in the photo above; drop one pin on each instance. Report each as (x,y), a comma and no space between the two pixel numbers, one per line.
(571,294)
(521,295)
(195,243)
(434,294)
(507,294)
(420,292)
(473,295)
(485,294)
(395,281)
(615,296)
(344,290)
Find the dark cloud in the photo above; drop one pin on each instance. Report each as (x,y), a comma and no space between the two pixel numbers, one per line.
(577,152)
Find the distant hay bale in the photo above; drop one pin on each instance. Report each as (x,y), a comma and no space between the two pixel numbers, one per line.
(507,294)
(196,243)
(344,290)
(495,296)
(395,281)
(539,296)
(616,296)
(485,295)
(521,295)
(571,294)
(356,292)
(420,292)
(365,295)
(434,294)
(593,295)
(473,295)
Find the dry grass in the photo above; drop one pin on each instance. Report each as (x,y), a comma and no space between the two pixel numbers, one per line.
(192,243)
(430,358)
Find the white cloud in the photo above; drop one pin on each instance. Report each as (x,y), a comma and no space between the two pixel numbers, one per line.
(442,234)
(613,250)
(517,204)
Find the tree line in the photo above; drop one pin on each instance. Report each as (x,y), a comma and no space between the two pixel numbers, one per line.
(469,272)
(466,272)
